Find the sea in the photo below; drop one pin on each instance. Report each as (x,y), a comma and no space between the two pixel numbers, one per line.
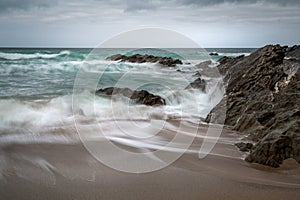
(39,88)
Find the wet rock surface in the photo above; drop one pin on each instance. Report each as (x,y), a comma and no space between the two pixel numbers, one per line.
(262,102)
(138,96)
(138,58)
(244,146)
(293,52)
(204,69)
(197,84)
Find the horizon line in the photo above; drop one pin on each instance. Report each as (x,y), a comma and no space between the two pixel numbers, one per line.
(86,47)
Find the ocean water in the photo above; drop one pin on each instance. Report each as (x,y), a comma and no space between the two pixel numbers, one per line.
(37,87)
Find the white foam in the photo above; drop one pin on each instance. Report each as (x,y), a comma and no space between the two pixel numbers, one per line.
(18,114)
(234,54)
(17,56)
(58,111)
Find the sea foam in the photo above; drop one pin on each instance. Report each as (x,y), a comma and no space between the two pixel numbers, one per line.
(17,56)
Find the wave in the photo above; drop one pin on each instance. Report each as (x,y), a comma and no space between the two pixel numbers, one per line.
(28,114)
(88,66)
(59,111)
(233,54)
(19,56)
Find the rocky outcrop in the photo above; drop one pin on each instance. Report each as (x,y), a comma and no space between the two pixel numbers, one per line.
(277,146)
(226,63)
(138,58)
(197,84)
(262,101)
(138,96)
(293,52)
(213,54)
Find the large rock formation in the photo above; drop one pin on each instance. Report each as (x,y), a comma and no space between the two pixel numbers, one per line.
(138,96)
(138,58)
(262,101)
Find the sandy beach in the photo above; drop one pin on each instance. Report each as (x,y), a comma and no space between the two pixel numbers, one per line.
(68,171)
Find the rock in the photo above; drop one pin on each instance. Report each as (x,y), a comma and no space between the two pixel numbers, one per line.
(197,84)
(225,60)
(226,63)
(138,58)
(213,54)
(205,70)
(293,52)
(215,72)
(197,74)
(262,101)
(250,78)
(138,96)
(246,122)
(244,146)
(116,57)
(169,61)
(277,146)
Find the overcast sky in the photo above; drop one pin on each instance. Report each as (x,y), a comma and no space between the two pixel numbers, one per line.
(86,23)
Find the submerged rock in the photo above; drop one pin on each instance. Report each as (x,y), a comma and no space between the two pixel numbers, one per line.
(138,58)
(262,101)
(138,96)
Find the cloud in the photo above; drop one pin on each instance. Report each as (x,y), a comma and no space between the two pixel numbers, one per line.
(216,2)
(12,5)
(133,6)
(211,22)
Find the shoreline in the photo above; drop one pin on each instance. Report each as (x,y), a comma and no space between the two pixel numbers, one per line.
(68,171)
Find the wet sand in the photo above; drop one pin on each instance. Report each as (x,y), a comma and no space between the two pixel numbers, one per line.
(68,171)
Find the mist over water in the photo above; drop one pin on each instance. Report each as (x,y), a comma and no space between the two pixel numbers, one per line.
(37,86)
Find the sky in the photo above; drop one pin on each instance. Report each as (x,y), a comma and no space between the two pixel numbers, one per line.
(210,23)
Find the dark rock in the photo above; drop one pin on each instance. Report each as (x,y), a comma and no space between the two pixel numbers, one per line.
(226,63)
(244,146)
(262,101)
(197,84)
(293,52)
(197,74)
(276,147)
(246,122)
(213,54)
(138,58)
(138,96)
(169,61)
(224,60)
(250,76)
(116,57)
